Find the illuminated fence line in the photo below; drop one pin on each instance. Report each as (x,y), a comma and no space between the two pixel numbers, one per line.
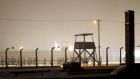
(113,59)
(110,57)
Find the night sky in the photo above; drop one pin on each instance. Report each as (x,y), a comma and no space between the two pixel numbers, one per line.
(41,23)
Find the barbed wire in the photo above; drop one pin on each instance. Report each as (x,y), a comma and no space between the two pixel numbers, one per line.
(61,20)
(45,20)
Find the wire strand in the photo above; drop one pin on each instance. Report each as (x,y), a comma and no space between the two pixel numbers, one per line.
(64,20)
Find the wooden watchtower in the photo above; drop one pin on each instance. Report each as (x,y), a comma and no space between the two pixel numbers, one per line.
(85,51)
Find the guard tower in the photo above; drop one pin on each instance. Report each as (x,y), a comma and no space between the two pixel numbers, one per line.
(85,51)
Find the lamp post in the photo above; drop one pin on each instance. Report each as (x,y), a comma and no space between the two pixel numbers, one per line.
(99,41)
(99,46)
(6,63)
(21,57)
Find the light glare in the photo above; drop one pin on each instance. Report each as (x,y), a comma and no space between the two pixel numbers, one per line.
(57,47)
(95,21)
(21,47)
(137,53)
(70,48)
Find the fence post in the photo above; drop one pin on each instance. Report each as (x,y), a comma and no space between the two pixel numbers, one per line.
(107,56)
(36,56)
(52,56)
(121,55)
(66,54)
(21,57)
(6,63)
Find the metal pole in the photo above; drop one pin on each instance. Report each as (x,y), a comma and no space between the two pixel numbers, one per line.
(21,57)
(121,55)
(6,63)
(94,64)
(84,51)
(107,56)
(74,49)
(52,56)
(80,59)
(66,54)
(36,56)
(99,64)
(73,56)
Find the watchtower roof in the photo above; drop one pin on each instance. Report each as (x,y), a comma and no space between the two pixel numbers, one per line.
(84,34)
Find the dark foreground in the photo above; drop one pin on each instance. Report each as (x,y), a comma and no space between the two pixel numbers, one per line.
(55,73)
